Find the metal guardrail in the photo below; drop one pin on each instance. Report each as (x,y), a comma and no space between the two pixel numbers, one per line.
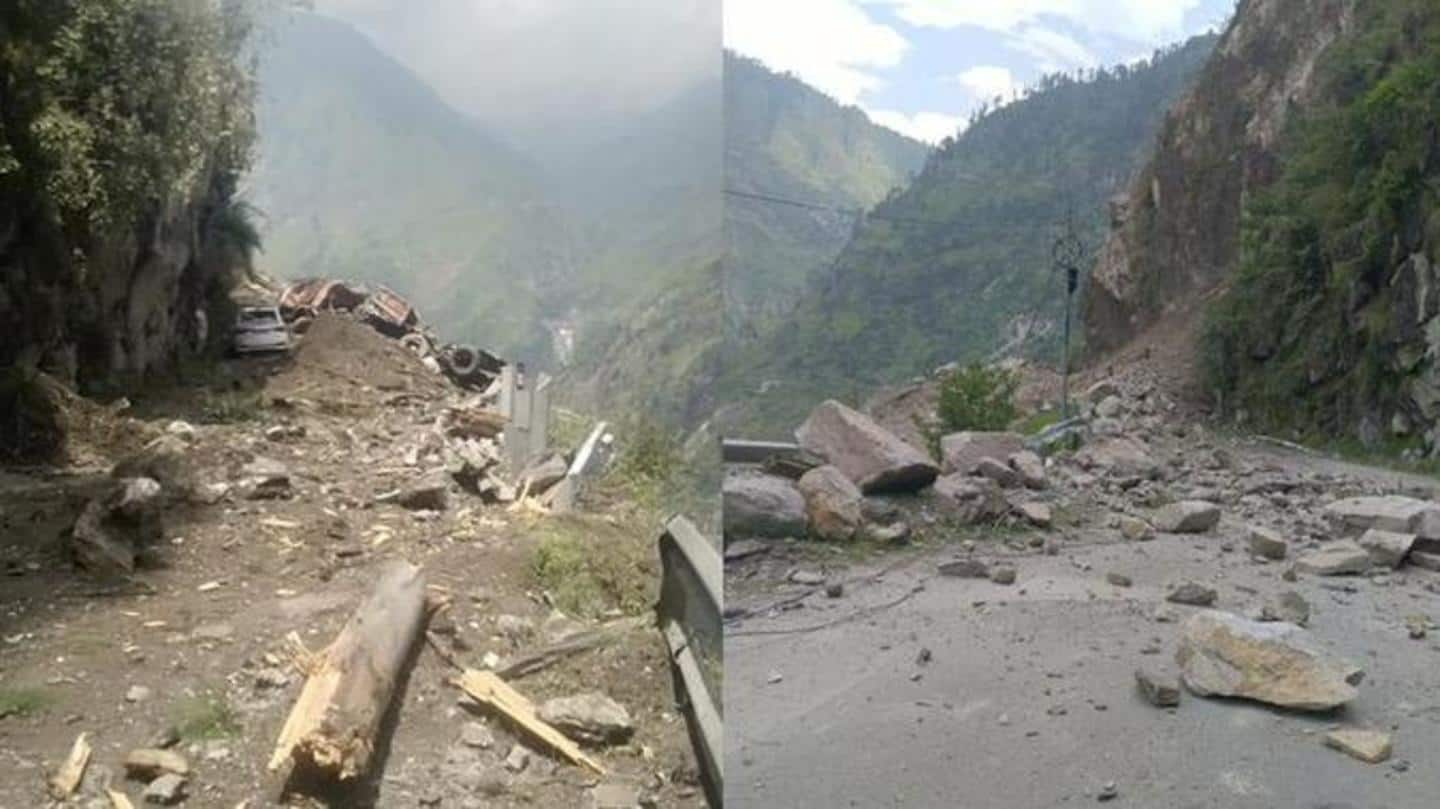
(689,617)
(735,450)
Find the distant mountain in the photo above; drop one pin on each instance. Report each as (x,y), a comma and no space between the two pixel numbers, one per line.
(364,172)
(958,265)
(784,138)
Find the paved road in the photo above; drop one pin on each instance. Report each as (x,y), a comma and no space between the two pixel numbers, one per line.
(1029,698)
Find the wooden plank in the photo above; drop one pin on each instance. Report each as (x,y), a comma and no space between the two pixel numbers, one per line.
(491,691)
(118,800)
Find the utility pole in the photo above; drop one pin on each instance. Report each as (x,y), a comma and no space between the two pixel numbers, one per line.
(1068,252)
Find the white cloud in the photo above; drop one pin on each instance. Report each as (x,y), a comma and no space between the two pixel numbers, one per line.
(1140,20)
(1052,50)
(930,127)
(985,82)
(830,44)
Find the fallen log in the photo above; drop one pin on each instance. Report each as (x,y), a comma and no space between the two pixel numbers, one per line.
(332,728)
(489,690)
(546,656)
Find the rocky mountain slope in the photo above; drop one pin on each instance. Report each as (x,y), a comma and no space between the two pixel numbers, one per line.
(958,265)
(784,138)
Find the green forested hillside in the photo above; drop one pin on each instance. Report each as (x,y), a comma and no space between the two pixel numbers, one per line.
(365,173)
(967,271)
(784,138)
(1330,326)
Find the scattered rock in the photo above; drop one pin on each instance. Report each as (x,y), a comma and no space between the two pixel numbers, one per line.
(1290,607)
(1118,456)
(430,493)
(1003,574)
(832,503)
(1118,579)
(971,500)
(591,717)
(1135,529)
(1109,791)
(894,533)
(518,759)
(1192,593)
(872,457)
(1370,746)
(766,506)
(137,693)
(809,578)
(1037,514)
(963,452)
(744,549)
(1110,407)
(477,735)
(1030,468)
(1404,515)
(1266,543)
(546,473)
(1225,655)
(1386,548)
(965,569)
(1188,517)
(167,790)
(1160,690)
(1425,560)
(264,479)
(835,590)
(1336,559)
(1000,473)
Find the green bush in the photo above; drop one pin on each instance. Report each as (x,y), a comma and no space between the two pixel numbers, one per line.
(977,397)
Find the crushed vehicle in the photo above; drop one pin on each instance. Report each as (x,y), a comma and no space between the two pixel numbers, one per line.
(260,329)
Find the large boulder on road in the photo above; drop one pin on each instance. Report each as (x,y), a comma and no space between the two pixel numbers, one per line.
(964,451)
(873,458)
(1280,664)
(758,505)
(833,503)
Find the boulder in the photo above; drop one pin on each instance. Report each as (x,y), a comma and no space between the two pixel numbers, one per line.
(1279,664)
(1030,468)
(592,717)
(1289,606)
(832,503)
(1386,548)
(1119,456)
(1037,514)
(963,451)
(1404,515)
(1265,543)
(757,505)
(1335,559)
(546,473)
(264,479)
(873,458)
(1192,593)
(1188,517)
(166,460)
(1135,529)
(998,472)
(971,500)
(1160,690)
(429,493)
(967,568)
(111,530)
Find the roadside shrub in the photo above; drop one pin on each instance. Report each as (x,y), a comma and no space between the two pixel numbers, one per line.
(977,397)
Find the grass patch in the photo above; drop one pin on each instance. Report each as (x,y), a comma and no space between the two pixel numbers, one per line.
(590,567)
(207,715)
(24,701)
(231,407)
(1036,423)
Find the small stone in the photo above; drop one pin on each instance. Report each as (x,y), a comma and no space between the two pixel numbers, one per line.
(137,693)
(1290,607)
(1003,574)
(835,590)
(1000,473)
(167,790)
(1109,792)
(1192,593)
(744,549)
(514,627)
(1188,517)
(1266,543)
(808,578)
(1418,626)
(478,735)
(1160,690)
(518,759)
(1039,515)
(1336,559)
(1370,746)
(590,717)
(1118,579)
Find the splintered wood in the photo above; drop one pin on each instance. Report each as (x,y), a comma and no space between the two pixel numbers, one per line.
(332,728)
(67,778)
(489,690)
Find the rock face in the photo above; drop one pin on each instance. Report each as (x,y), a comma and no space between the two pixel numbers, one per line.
(1176,236)
(1280,664)
(833,504)
(963,452)
(765,506)
(873,458)
(1188,517)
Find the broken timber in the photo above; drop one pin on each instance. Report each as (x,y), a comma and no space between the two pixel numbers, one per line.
(331,730)
(489,690)
(68,777)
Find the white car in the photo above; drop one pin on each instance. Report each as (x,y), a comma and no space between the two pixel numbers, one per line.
(260,328)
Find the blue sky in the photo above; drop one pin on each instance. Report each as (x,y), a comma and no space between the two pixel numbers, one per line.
(922,66)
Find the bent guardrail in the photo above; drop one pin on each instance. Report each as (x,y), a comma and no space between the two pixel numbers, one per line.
(689,617)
